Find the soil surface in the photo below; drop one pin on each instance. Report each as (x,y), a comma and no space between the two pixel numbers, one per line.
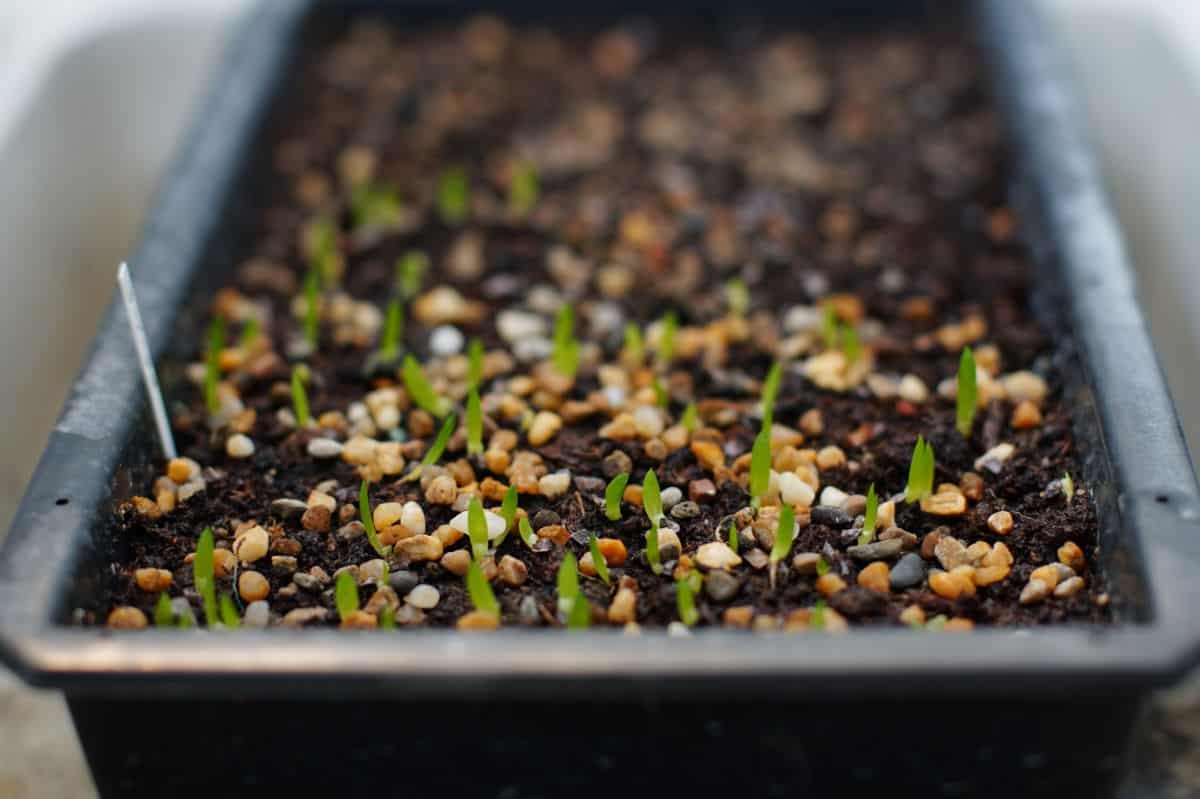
(860,172)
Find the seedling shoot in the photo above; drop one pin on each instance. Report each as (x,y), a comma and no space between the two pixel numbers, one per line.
(760,467)
(612,496)
(212,364)
(421,391)
(868,533)
(202,576)
(368,521)
(967,400)
(300,397)
(598,561)
(345,595)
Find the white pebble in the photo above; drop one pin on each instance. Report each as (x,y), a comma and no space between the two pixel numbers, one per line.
(424,597)
(801,318)
(324,448)
(412,518)
(994,459)
(534,348)
(648,421)
(606,318)
(795,491)
(189,489)
(913,389)
(445,340)
(544,298)
(239,446)
(554,485)
(388,417)
(615,396)
(833,497)
(258,614)
(514,326)
(671,496)
(495,523)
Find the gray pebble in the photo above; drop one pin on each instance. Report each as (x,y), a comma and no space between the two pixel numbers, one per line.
(615,463)
(324,448)
(908,572)
(545,518)
(721,586)
(685,510)
(258,614)
(402,581)
(306,581)
(288,508)
(348,532)
(527,611)
(445,340)
(588,484)
(855,504)
(830,517)
(876,550)
(671,497)
(181,607)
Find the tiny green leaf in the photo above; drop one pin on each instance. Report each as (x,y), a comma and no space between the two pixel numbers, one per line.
(475,363)
(598,560)
(770,388)
(634,348)
(434,453)
(1068,487)
(652,498)
(868,533)
(345,595)
(250,333)
(477,529)
(566,348)
(212,363)
(653,556)
(508,512)
(410,273)
(822,567)
(186,621)
(300,397)
(164,616)
(688,419)
(374,206)
(816,619)
(661,398)
(454,196)
(829,326)
(368,521)
(968,393)
(568,582)
(936,623)
(613,494)
(526,531)
(850,344)
(785,533)
(666,338)
(523,189)
(387,618)
(474,424)
(229,613)
(202,576)
(393,329)
(420,391)
(737,296)
(580,615)
(916,472)
(312,308)
(760,467)
(324,251)
(685,599)
(480,591)
(732,539)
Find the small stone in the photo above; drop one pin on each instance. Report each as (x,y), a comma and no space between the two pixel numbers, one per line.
(986,575)
(258,614)
(420,548)
(495,524)
(316,519)
(1050,574)
(424,597)
(994,459)
(323,448)
(623,609)
(832,497)
(457,562)
(127,617)
(1069,587)
(875,577)
(180,470)
(615,463)
(685,510)
(830,458)
(512,571)
(856,505)
(951,552)
(402,581)
(252,544)
(946,503)
(830,517)
(153,580)
(913,389)
(386,514)
(239,446)
(318,497)
(1024,386)
(913,616)
(554,485)
(477,620)
(740,616)
(1000,522)
(876,550)
(307,582)
(445,340)
(613,550)
(794,491)
(513,325)
(556,533)
(288,508)
(302,616)
(252,586)
(442,490)
(1035,591)
(757,558)
(812,422)
(355,529)
(717,555)
(909,571)
(545,426)
(671,496)
(720,585)
(708,454)
(971,485)
(669,548)
(805,563)
(1026,416)
(648,421)
(950,586)
(283,564)
(830,584)
(1071,555)
(545,518)
(701,491)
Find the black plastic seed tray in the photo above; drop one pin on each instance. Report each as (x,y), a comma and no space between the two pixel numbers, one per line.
(1047,712)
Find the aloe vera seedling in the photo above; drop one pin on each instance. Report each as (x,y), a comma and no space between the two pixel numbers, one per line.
(368,521)
(851,348)
(653,557)
(480,591)
(164,614)
(760,467)
(634,347)
(968,393)
(393,329)
(816,619)
(652,498)
(598,560)
(666,338)
(868,533)
(477,529)
(475,363)
(731,540)
(785,533)
(685,600)
(474,424)
(566,348)
(434,453)
(251,331)
(324,251)
(387,618)
(212,363)
(525,530)
(612,496)
(374,205)
(454,196)
(300,397)
(523,189)
(410,273)
(661,398)
(829,327)
(580,615)
(688,419)
(312,308)
(508,512)
(230,617)
(420,390)
(822,567)
(737,296)
(920,472)
(567,582)
(345,595)
(770,388)
(1068,487)
(202,576)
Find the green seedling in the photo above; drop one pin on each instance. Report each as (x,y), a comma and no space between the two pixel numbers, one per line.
(653,557)
(598,560)
(634,347)
(580,615)
(374,206)
(920,472)
(480,591)
(251,330)
(868,533)
(164,615)
(312,309)
(508,512)
(688,419)
(760,467)
(393,330)
(737,296)
(345,595)
(816,619)
(202,576)
(475,363)
(387,618)
(1068,487)
(420,390)
(770,388)
(324,251)
(525,530)
(685,599)
(434,453)
(566,348)
(229,613)
(613,494)
(212,363)
(938,622)
(732,539)
(652,498)
(967,401)
(666,338)
(454,196)
(410,273)
(300,397)
(661,398)
(851,348)
(822,567)
(368,522)
(477,529)
(523,189)
(785,533)
(829,327)
(474,424)
(567,582)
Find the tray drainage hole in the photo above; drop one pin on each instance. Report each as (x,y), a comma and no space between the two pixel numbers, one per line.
(61,501)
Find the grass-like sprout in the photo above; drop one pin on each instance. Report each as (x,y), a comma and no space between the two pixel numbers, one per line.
(580,615)
(598,559)
(666,338)
(653,557)
(567,582)
(251,330)
(393,329)
(685,599)
(770,388)
(1068,487)
(202,576)
(829,327)
(661,398)
(635,348)
(868,533)
(474,424)
(688,419)
(368,521)
(920,472)
(523,189)
(731,540)
(420,390)
(480,591)
(164,615)
(968,392)
(212,363)
(822,567)
(410,273)
(453,196)
(816,619)
(760,467)
(312,308)
(652,498)
(785,533)
(345,595)
(566,348)
(434,453)
(374,206)
(508,512)
(387,618)
(477,529)
(525,530)
(737,296)
(851,348)
(300,397)
(475,363)
(613,494)
(229,613)
(324,251)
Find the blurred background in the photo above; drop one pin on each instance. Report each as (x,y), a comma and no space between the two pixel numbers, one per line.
(95,95)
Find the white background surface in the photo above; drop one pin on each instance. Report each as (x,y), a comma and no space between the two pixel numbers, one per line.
(94,93)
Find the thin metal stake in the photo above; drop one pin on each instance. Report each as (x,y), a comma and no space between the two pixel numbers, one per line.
(149,376)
